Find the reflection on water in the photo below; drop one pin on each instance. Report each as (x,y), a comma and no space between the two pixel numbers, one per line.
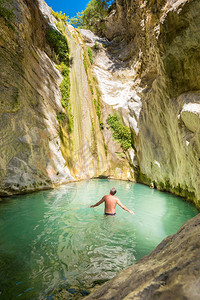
(52,239)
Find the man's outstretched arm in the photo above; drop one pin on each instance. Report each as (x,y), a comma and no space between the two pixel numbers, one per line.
(124,207)
(98,203)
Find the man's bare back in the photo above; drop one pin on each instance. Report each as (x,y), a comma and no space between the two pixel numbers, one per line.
(110,203)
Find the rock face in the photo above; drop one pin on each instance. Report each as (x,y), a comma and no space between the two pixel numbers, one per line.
(149,70)
(159,41)
(171,271)
(36,151)
(30,156)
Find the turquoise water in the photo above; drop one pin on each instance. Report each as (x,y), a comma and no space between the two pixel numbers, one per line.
(51,240)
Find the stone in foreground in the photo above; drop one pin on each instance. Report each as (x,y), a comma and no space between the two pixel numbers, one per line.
(171,271)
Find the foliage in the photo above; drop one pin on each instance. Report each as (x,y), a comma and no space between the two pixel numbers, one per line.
(61,20)
(85,62)
(61,26)
(59,16)
(101,125)
(65,91)
(96,46)
(7,14)
(94,148)
(64,69)
(95,11)
(98,108)
(91,89)
(58,43)
(90,54)
(121,133)
(61,116)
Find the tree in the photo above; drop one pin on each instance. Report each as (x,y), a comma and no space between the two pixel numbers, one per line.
(94,13)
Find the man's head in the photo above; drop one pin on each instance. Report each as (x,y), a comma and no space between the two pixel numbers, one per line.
(113,191)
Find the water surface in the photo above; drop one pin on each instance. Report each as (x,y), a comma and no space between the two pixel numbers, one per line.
(51,240)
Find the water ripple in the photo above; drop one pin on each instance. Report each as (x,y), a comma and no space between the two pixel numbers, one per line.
(53,239)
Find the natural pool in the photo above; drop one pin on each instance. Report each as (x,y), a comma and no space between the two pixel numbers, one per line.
(52,239)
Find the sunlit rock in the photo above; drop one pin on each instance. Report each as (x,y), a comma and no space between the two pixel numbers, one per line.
(160,42)
(190,115)
(115,80)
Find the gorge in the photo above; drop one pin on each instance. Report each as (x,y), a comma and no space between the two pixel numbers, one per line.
(60,115)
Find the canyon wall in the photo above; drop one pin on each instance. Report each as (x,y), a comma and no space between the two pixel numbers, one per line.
(147,69)
(30,156)
(159,42)
(38,149)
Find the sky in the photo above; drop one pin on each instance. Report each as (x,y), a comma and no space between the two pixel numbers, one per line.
(69,7)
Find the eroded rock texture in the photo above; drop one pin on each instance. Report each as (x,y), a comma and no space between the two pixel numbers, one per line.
(30,156)
(38,151)
(171,271)
(159,40)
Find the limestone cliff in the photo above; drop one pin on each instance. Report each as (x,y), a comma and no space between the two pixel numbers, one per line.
(38,149)
(158,41)
(30,156)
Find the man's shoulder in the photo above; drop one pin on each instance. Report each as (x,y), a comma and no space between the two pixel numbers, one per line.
(111,197)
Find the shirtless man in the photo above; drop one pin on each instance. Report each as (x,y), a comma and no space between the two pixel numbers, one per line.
(110,203)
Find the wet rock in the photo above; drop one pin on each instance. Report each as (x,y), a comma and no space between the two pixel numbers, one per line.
(159,42)
(171,271)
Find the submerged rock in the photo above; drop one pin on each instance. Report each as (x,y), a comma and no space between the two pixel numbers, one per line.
(170,271)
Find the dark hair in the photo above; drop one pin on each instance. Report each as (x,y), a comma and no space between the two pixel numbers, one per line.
(113,191)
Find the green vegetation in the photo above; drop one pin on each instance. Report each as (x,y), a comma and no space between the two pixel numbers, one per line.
(98,108)
(6,13)
(58,42)
(59,16)
(94,14)
(61,116)
(59,45)
(96,46)
(90,54)
(91,89)
(85,63)
(121,133)
(65,92)
(94,148)
(62,20)
(101,125)
(65,85)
